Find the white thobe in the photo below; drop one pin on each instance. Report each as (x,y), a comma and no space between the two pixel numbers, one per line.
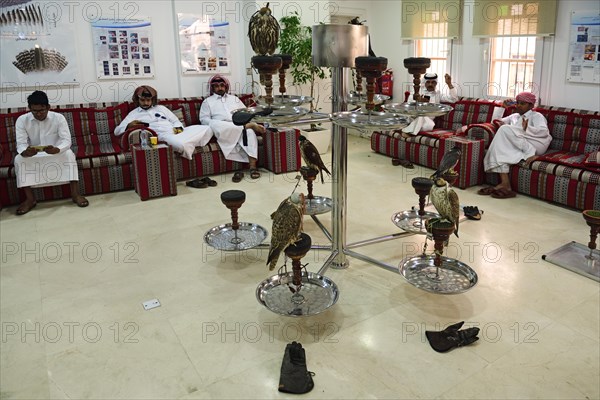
(162,121)
(44,169)
(426,124)
(216,112)
(511,143)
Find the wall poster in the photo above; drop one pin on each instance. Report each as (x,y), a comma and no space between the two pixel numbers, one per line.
(123,48)
(37,48)
(204,45)
(584,47)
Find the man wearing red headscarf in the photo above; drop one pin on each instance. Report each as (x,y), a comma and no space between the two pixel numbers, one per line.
(523,135)
(216,112)
(162,120)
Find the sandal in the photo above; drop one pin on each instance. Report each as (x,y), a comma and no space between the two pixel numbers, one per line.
(254,173)
(472,212)
(404,163)
(81,201)
(24,209)
(503,193)
(237,177)
(197,183)
(209,182)
(486,191)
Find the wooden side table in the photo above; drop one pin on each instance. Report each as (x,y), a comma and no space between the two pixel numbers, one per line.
(154,171)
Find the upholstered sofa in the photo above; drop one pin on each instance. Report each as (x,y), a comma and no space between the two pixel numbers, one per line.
(568,174)
(105,162)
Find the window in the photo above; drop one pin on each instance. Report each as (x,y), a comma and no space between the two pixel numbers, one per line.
(512,61)
(436,50)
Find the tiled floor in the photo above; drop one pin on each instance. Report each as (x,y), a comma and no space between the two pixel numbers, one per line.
(73,282)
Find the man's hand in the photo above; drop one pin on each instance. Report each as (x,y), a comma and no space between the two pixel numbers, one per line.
(255,127)
(29,152)
(177,130)
(51,149)
(448,79)
(135,123)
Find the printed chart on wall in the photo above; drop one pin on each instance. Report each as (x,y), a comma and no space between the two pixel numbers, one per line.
(37,47)
(584,49)
(204,45)
(123,48)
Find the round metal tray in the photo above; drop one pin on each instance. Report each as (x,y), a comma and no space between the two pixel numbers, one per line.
(285,100)
(280,115)
(451,278)
(418,109)
(361,98)
(316,295)
(365,120)
(318,205)
(223,237)
(411,221)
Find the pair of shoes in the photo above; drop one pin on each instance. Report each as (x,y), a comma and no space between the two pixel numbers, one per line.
(197,183)
(209,182)
(486,191)
(81,201)
(503,193)
(237,177)
(472,212)
(404,163)
(25,208)
(254,173)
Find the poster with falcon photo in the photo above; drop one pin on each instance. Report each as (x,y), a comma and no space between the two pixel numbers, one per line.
(204,45)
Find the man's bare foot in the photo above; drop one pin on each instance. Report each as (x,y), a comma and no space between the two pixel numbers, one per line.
(256,127)
(81,201)
(25,207)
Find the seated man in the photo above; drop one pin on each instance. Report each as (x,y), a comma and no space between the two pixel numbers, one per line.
(44,152)
(216,112)
(162,120)
(523,135)
(430,95)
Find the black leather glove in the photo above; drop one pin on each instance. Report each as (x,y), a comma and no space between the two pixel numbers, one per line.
(452,337)
(295,378)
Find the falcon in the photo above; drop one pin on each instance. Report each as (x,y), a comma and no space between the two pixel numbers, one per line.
(311,156)
(448,162)
(287,226)
(263,31)
(445,201)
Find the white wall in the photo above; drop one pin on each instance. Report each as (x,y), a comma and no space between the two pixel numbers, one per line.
(383,19)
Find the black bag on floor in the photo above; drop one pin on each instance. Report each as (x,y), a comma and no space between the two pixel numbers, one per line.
(452,337)
(295,378)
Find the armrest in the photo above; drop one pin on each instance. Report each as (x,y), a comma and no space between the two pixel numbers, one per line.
(485,131)
(132,136)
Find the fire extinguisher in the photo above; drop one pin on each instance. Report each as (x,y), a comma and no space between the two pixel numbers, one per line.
(385,83)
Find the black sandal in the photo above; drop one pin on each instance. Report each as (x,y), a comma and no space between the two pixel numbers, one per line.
(197,183)
(209,182)
(472,212)
(237,177)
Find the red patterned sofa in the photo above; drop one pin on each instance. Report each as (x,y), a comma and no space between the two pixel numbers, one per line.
(569,172)
(428,148)
(105,162)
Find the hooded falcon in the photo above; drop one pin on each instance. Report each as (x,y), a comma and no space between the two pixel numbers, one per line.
(448,162)
(445,201)
(311,156)
(287,226)
(263,31)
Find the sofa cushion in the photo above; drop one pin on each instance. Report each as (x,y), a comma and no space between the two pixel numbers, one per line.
(465,112)
(180,115)
(190,106)
(565,158)
(92,129)
(8,141)
(573,130)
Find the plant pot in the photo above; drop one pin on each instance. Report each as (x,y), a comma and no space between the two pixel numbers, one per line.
(320,137)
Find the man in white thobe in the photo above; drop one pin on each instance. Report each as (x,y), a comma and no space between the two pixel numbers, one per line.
(430,95)
(216,112)
(44,156)
(523,135)
(162,121)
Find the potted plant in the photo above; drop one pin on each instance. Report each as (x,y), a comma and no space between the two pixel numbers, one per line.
(296,40)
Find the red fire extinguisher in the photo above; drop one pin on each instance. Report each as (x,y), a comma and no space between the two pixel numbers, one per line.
(385,83)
